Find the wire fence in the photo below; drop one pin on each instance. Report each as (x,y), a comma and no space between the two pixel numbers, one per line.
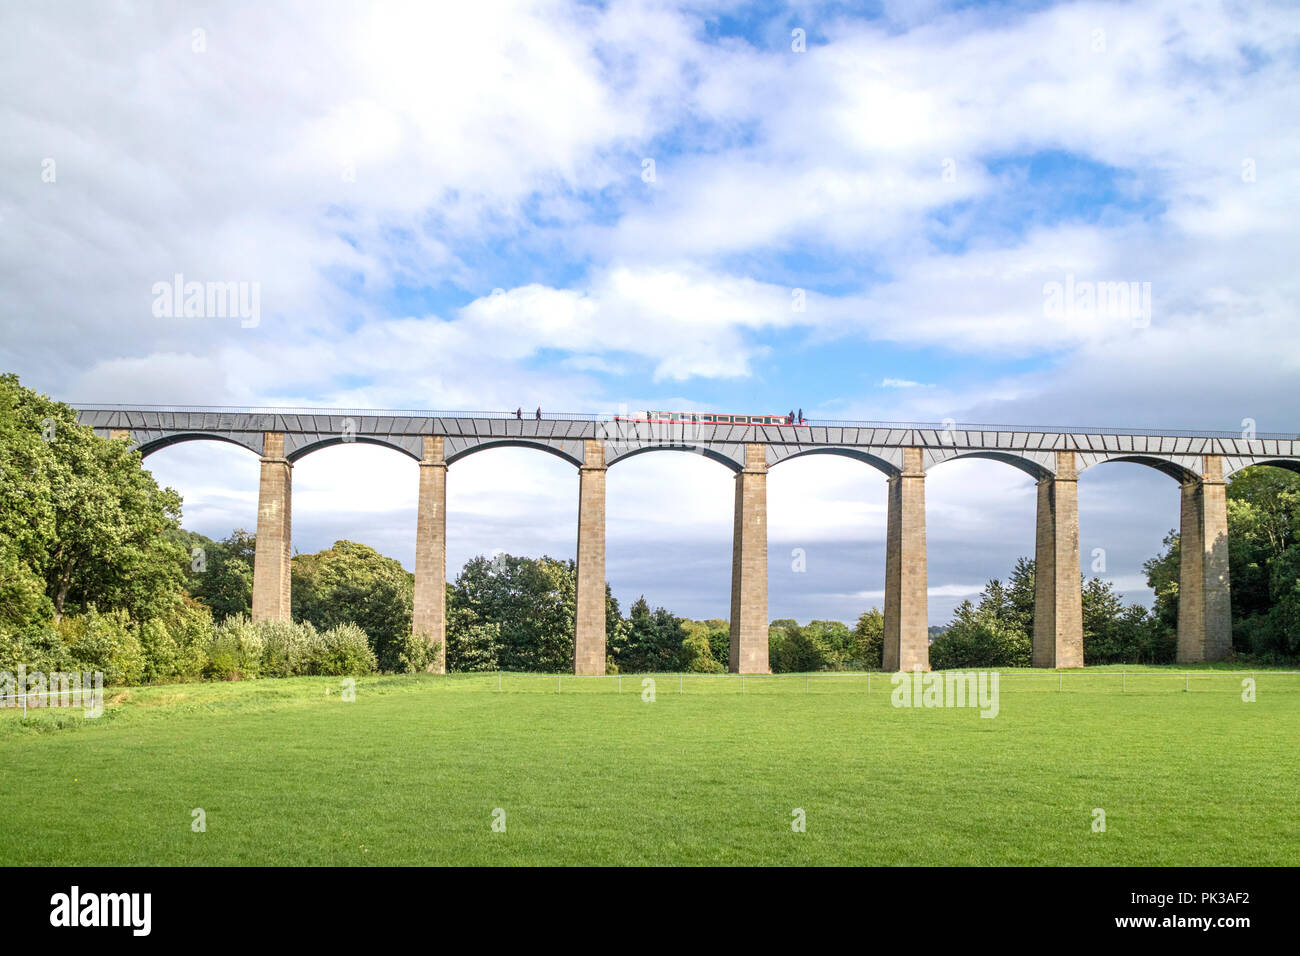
(64,699)
(869,681)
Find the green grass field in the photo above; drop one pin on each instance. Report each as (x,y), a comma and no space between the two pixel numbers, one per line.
(412,771)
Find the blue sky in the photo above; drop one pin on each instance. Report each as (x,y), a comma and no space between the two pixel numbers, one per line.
(452,210)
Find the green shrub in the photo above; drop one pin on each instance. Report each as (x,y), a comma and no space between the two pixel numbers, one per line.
(793,648)
(37,649)
(288,647)
(978,639)
(472,644)
(175,644)
(103,642)
(160,650)
(343,651)
(414,654)
(190,627)
(696,654)
(868,645)
(235,650)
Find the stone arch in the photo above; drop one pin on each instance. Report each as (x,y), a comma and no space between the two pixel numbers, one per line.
(702,450)
(1288,464)
(1178,472)
(1033,469)
(146,448)
(299,453)
(888,468)
(557,451)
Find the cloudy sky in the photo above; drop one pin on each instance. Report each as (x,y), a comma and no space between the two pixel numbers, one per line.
(586,206)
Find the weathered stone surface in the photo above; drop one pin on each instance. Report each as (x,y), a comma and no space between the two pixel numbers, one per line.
(907,634)
(429,602)
(589,625)
(1058,592)
(1204,598)
(271,558)
(749,566)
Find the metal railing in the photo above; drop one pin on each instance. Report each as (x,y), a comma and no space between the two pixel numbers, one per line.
(377,412)
(66,700)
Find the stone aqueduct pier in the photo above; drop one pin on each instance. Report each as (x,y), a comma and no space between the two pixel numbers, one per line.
(1199,462)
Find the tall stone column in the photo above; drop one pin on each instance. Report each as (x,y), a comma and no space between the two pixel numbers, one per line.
(429,603)
(271,558)
(1204,602)
(907,631)
(1058,586)
(589,624)
(749,566)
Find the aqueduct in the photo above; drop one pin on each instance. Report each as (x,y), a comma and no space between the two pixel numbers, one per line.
(1199,461)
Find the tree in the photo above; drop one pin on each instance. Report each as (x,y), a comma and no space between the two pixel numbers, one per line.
(80,514)
(796,649)
(533,604)
(27,519)
(826,645)
(1264,561)
(697,650)
(351,583)
(1020,595)
(1271,519)
(1115,634)
(1162,578)
(221,573)
(869,640)
(1012,605)
(979,637)
(653,640)
(472,644)
(720,640)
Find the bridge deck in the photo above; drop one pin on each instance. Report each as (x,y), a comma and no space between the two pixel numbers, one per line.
(1030,448)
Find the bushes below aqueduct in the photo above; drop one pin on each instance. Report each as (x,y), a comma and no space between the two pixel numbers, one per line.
(189,646)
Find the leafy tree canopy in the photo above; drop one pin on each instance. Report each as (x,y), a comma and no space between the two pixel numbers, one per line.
(81,517)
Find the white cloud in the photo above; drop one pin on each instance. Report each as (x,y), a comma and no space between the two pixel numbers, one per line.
(902,383)
(465,127)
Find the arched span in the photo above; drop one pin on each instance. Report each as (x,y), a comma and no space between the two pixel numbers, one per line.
(1290,464)
(703,450)
(1031,468)
(1174,470)
(874,461)
(515,443)
(306,450)
(158,444)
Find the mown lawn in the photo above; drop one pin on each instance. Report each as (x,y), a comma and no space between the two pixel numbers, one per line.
(412,771)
